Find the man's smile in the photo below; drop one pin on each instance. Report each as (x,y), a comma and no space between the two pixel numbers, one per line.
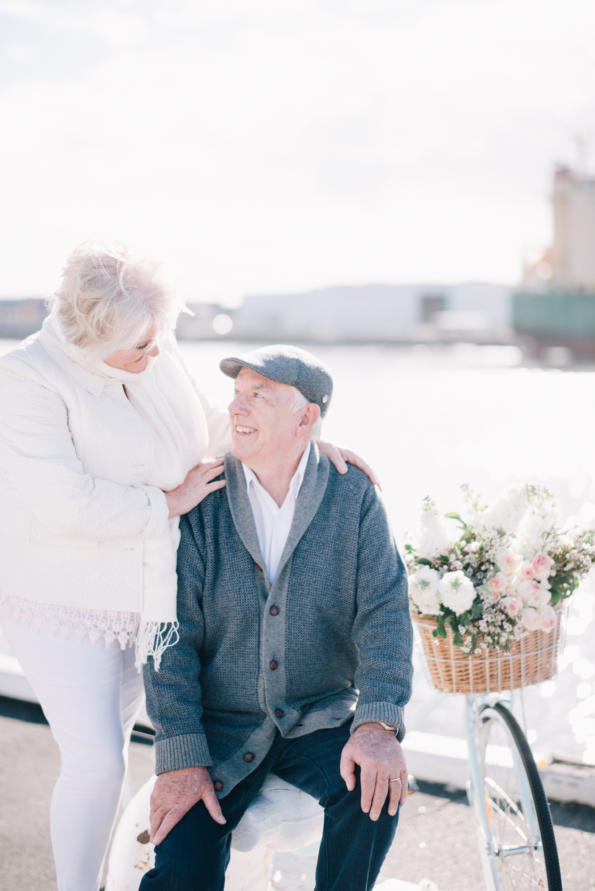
(243,430)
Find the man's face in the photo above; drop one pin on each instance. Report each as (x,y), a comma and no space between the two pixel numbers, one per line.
(264,422)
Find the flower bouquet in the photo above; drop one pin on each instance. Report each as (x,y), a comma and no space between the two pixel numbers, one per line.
(487,598)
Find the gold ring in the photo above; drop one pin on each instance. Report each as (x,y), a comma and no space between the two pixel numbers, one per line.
(395,780)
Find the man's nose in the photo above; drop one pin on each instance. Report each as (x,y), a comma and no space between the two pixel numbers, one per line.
(237,405)
(155,351)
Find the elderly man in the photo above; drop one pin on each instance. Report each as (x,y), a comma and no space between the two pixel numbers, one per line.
(295,644)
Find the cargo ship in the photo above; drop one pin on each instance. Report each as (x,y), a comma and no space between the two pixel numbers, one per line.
(555,305)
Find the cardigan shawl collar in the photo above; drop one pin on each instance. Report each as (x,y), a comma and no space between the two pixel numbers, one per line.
(308,501)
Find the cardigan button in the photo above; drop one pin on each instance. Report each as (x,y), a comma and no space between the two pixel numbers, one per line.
(248,757)
(274,610)
(273,665)
(279,712)
(217,785)
(258,566)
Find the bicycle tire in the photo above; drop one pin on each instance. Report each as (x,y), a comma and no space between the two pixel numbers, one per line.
(521,814)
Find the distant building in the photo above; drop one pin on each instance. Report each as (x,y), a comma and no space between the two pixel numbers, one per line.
(19,318)
(379,313)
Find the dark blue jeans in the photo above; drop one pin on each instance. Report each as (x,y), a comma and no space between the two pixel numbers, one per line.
(195,854)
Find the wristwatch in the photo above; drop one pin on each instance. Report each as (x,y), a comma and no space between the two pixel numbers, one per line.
(386,726)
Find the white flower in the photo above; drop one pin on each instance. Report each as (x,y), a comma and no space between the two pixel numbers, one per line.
(547,617)
(531,619)
(533,593)
(525,571)
(531,532)
(457,591)
(512,605)
(497,585)
(528,590)
(507,512)
(423,589)
(434,538)
(542,566)
(544,596)
(508,562)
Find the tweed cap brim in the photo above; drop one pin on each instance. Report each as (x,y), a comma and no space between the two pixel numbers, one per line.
(289,365)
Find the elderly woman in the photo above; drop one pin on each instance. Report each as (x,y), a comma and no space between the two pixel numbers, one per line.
(103,437)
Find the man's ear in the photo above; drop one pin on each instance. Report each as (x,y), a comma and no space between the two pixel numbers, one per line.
(308,417)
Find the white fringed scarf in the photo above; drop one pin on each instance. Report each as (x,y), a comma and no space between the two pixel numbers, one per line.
(180,432)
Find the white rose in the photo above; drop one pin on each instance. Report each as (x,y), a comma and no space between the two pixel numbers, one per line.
(423,589)
(508,562)
(531,619)
(547,618)
(529,591)
(512,605)
(457,591)
(542,566)
(544,595)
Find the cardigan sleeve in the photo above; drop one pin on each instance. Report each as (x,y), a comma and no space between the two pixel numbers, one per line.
(173,694)
(382,628)
(39,462)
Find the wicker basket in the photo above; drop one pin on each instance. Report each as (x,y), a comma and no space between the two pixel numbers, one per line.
(532,658)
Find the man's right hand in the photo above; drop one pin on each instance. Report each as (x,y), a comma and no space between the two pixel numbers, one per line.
(175,793)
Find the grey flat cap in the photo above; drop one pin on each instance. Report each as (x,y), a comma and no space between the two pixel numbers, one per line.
(286,365)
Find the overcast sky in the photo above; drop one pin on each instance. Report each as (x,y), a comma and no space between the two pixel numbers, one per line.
(273,145)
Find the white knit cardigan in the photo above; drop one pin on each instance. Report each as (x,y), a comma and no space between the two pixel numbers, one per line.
(85,454)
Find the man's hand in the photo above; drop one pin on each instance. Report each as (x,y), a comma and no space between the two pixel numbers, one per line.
(175,793)
(383,771)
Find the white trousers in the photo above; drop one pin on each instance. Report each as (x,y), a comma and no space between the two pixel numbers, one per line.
(90,694)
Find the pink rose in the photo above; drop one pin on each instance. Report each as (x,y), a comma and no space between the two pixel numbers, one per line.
(512,605)
(530,592)
(526,571)
(497,585)
(508,562)
(548,618)
(542,566)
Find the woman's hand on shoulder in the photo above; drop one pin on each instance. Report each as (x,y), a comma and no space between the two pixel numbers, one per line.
(341,457)
(199,482)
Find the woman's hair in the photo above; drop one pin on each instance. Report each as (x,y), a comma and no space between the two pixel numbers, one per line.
(108,299)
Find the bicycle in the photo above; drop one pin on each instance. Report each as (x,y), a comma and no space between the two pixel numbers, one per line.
(516,836)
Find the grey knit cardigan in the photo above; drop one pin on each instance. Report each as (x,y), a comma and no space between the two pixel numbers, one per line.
(328,641)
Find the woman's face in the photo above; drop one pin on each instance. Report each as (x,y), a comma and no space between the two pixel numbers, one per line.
(137,357)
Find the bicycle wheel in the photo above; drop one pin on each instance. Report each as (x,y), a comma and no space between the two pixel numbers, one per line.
(520,846)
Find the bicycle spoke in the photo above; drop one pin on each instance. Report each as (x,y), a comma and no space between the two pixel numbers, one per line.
(510,812)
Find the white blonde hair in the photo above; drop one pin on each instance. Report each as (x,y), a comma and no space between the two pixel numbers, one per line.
(108,299)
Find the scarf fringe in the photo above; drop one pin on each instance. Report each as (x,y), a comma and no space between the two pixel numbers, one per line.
(153,639)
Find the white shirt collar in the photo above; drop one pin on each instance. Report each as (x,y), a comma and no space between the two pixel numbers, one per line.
(296,479)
